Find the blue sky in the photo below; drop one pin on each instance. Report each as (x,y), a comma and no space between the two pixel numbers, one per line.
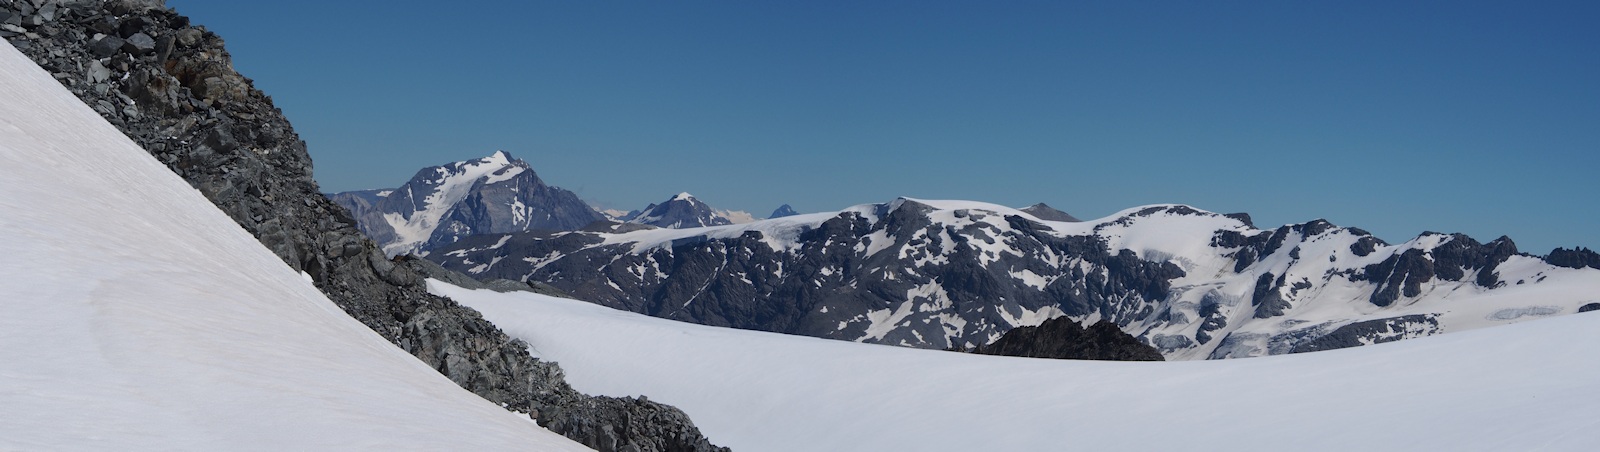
(1396,117)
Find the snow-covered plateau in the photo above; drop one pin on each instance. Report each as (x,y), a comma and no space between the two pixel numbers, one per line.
(1528,386)
(139,317)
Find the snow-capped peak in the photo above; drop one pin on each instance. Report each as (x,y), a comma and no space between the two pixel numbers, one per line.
(501,156)
(682,211)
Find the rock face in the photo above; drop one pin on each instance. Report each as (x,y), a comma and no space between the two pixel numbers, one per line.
(1062,338)
(1574,258)
(1045,212)
(783,211)
(183,102)
(682,211)
(959,274)
(442,204)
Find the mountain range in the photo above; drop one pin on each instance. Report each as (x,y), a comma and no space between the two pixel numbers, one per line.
(497,194)
(943,274)
(178,282)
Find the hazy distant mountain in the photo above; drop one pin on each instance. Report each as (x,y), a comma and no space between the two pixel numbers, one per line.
(783,211)
(684,211)
(442,204)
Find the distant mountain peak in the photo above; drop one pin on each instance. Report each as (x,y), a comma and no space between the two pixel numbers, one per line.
(441,204)
(783,211)
(682,211)
(1045,212)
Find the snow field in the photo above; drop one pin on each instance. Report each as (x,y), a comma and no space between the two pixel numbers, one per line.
(1525,386)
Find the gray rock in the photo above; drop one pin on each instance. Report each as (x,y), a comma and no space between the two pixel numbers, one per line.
(106,46)
(98,72)
(189,37)
(139,44)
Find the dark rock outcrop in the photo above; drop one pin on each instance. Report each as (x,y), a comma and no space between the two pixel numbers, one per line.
(1403,274)
(1573,258)
(1374,331)
(182,101)
(1062,338)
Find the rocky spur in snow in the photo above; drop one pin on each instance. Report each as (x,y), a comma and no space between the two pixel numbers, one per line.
(959,274)
(1062,338)
(169,85)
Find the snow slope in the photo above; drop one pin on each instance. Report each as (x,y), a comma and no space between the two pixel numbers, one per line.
(1527,386)
(139,317)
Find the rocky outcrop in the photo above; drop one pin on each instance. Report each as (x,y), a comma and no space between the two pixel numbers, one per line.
(1062,338)
(1404,274)
(1374,331)
(1573,258)
(170,86)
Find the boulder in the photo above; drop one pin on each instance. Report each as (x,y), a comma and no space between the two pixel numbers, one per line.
(139,44)
(106,46)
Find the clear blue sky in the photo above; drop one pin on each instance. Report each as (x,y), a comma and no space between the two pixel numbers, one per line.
(1397,117)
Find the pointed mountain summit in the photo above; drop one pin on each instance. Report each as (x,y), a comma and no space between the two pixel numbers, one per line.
(442,204)
(1045,212)
(783,211)
(680,212)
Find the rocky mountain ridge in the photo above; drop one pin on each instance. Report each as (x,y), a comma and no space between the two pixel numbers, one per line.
(959,274)
(170,87)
